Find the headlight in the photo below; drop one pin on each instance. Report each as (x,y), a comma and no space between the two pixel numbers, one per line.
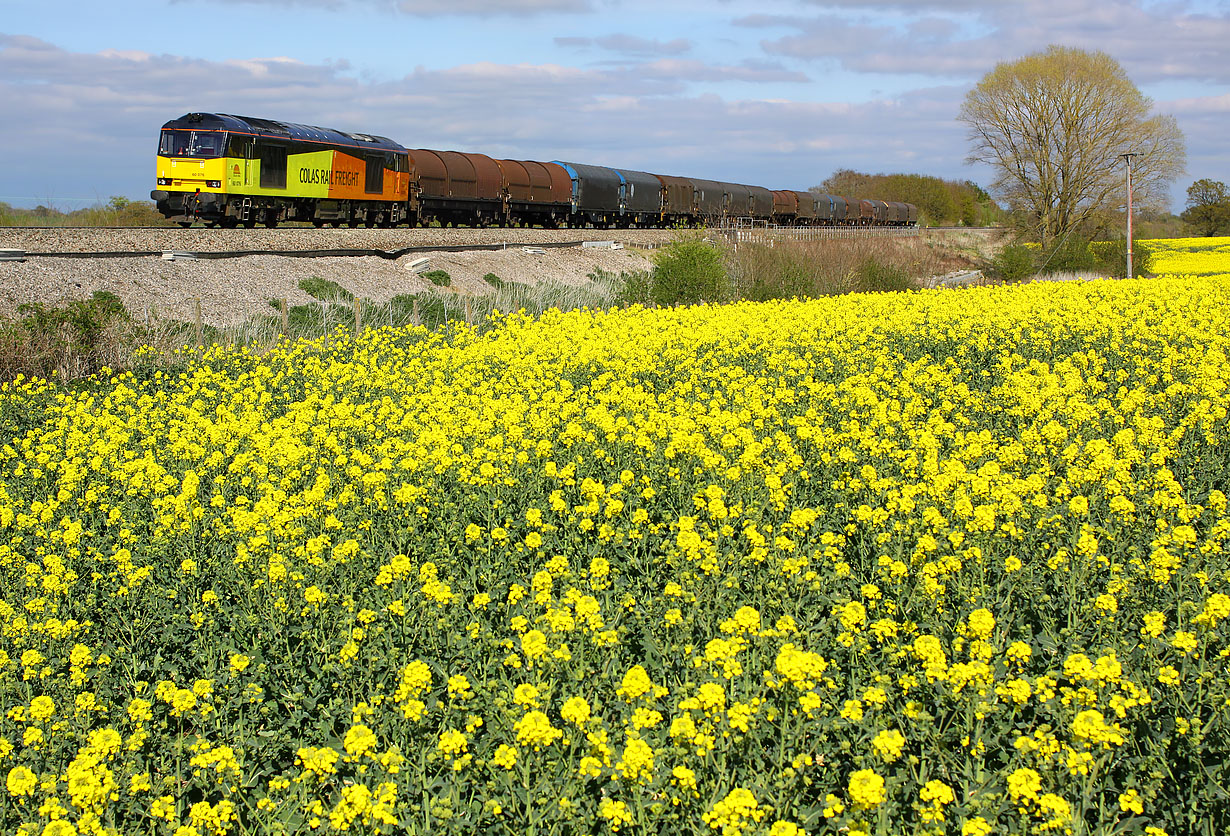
(164,181)
(213,184)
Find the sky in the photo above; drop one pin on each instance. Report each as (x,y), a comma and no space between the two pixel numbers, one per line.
(776,93)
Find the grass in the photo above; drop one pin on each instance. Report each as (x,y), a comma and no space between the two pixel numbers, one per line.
(835,266)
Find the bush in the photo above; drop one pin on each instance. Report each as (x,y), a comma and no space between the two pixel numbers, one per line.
(440,278)
(1071,255)
(74,340)
(493,280)
(326,290)
(1111,258)
(1014,263)
(688,271)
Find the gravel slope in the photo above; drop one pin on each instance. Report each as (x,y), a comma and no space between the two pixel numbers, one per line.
(233,289)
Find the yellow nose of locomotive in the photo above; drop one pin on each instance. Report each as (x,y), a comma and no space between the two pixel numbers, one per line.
(187,174)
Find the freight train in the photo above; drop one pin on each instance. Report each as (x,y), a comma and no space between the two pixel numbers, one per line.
(225,170)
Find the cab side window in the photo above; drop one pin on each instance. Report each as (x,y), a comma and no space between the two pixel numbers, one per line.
(239,146)
(374,181)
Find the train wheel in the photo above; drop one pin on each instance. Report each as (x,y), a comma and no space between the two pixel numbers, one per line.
(184,224)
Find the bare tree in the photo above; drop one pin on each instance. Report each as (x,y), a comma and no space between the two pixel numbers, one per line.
(1052,126)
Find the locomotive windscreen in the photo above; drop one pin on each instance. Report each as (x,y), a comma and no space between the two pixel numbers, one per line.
(192,143)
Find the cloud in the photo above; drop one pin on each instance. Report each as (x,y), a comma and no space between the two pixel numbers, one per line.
(436,8)
(629,44)
(748,71)
(1203,120)
(963,39)
(491,8)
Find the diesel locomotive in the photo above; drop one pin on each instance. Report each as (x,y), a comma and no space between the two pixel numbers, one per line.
(225,170)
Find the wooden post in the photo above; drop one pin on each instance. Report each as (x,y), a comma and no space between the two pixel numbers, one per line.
(469,318)
(415,309)
(196,315)
(285,316)
(358,318)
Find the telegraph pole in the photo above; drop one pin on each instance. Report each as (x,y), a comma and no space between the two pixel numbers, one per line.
(1127,158)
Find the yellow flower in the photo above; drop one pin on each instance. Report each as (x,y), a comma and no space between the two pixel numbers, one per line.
(636,683)
(637,762)
(459,686)
(320,762)
(1024,785)
(1129,802)
(360,740)
(981,623)
(575,710)
(534,644)
(937,795)
(21,781)
(616,814)
(734,812)
(535,729)
(1184,642)
(505,756)
(976,826)
(888,745)
(526,695)
(866,789)
(163,808)
(182,701)
(786,828)
(452,743)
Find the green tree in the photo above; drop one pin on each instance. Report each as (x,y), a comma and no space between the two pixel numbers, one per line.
(939,201)
(1053,125)
(1208,206)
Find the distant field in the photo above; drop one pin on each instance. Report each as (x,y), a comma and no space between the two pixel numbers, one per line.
(1191,256)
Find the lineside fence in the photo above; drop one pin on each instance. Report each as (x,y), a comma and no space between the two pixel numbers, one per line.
(748,231)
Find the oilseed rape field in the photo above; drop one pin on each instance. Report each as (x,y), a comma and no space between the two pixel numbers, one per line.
(1191,256)
(948,562)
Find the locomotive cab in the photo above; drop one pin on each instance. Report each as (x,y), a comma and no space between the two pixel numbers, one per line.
(191,169)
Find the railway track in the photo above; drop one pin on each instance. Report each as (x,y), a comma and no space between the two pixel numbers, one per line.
(323,253)
(144,242)
(310,242)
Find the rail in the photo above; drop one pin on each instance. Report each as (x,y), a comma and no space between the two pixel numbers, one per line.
(18,255)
